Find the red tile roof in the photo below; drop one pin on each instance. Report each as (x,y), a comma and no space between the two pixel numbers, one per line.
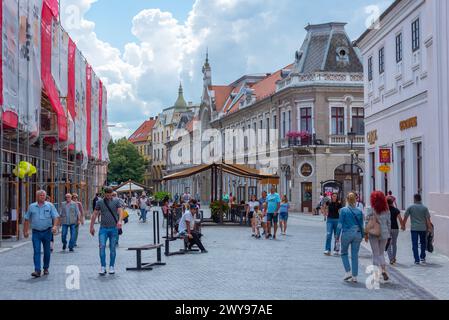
(221,95)
(144,131)
(267,86)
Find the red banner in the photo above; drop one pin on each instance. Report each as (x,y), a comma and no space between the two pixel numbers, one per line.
(71,80)
(47,78)
(89,109)
(385,155)
(53,5)
(100,124)
(1,55)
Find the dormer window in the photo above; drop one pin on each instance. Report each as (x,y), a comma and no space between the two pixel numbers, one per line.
(342,54)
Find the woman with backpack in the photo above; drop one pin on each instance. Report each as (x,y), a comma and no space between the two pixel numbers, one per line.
(350,231)
(378,230)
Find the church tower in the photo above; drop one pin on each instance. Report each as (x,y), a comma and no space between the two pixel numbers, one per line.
(207,72)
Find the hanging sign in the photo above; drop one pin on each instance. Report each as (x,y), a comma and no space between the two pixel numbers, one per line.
(385,155)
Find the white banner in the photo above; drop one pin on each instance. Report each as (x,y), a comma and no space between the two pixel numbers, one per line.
(95,117)
(10,56)
(81,120)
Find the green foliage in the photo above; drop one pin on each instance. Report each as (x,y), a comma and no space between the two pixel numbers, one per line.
(126,162)
(218,210)
(159,196)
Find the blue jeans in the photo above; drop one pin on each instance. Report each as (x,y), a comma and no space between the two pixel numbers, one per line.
(422,240)
(143,215)
(65,230)
(353,238)
(104,235)
(41,238)
(331,228)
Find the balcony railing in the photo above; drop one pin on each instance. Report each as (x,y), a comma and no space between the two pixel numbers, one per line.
(296,142)
(297,79)
(339,139)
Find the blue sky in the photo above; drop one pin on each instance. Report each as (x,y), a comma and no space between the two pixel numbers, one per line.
(142,49)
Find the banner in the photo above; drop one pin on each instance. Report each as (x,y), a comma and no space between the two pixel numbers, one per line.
(81,102)
(71,79)
(106,137)
(385,155)
(95,113)
(89,109)
(10,62)
(46,67)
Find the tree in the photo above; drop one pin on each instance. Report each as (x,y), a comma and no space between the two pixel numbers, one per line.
(126,162)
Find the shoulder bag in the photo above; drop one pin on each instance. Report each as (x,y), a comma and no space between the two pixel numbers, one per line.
(120,231)
(373,226)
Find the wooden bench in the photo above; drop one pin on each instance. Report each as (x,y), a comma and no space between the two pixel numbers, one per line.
(146,266)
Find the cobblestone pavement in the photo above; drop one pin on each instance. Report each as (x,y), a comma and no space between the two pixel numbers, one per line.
(236,267)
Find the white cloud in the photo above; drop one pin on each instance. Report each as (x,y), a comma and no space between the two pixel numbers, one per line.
(243,36)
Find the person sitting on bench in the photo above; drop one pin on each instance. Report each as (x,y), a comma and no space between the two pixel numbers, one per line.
(186,226)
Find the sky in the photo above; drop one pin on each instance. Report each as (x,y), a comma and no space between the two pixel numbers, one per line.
(143,49)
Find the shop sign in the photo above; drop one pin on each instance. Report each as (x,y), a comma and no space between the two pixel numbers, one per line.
(372,137)
(385,155)
(306,170)
(385,168)
(409,123)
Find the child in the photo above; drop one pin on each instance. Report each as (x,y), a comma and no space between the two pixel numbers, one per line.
(258,217)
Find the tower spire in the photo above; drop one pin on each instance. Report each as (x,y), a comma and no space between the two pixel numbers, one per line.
(207,71)
(181,102)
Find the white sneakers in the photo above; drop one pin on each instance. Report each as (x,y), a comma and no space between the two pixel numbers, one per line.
(350,278)
(327,253)
(103,271)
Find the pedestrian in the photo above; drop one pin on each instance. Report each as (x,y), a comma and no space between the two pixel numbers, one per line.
(52,241)
(186,229)
(144,207)
(420,225)
(262,204)
(392,245)
(390,196)
(378,230)
(111,213)
(70,217)
(273,205)
(44,222)
(82,217)
(258,218)
(283,215)
(350,233)
(165,211)
(360,205)
(252,203)
(186,197)
(332,214)
(134,203)
(319,205)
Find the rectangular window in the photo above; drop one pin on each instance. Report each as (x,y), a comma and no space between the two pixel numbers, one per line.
(338,121)
(268,130)
(419,181)
(373,170)
(284,133)
(401,150)
(399,48)
(275,122)
(358,121)
(289,121)
(415,35)
(381,60)
(370,68)
(306,120)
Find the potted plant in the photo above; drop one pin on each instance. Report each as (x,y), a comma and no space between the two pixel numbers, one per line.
(305,137)
(293,137)
(218,210)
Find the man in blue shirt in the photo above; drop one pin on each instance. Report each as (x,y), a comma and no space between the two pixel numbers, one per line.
(273,205)
(44,221)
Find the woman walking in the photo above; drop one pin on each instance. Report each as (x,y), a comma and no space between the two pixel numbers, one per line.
(378,230)
(333,216)
(350,231)
(395,215)
(250,208)
(283,215)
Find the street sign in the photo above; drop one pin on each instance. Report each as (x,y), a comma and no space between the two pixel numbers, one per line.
(385,155)
(385,168)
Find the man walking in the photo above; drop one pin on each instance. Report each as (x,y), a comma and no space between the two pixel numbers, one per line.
(273,205)
(82,217)
(420,224)
(111,213)
(143,204)
(44,222)
(70,217)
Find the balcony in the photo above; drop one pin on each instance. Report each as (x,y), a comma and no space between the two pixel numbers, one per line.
(292,142)
(343,140)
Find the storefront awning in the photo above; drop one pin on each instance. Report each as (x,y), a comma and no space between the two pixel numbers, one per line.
(129,186)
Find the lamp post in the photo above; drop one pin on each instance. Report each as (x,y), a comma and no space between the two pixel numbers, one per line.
(351,137)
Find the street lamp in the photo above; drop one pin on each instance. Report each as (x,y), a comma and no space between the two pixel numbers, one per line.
(351,137)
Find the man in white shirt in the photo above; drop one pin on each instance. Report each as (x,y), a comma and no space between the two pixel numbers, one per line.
(186,226)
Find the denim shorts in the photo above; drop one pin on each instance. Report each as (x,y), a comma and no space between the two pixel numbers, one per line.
(283,216)
(272,218)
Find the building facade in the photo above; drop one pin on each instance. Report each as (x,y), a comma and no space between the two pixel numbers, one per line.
(304,112)
(406,106)
(142,138)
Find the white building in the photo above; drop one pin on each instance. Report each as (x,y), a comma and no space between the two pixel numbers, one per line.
(406,106)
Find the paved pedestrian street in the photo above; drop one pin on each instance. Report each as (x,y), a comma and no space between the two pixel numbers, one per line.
(236,267)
